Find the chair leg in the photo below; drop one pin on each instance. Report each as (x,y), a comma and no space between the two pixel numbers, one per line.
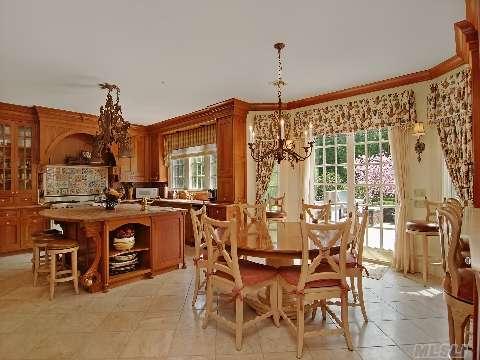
(413,254)
(406,253)
(53,275)
(75,271)
(352,288)
(279,298)
(451,329)
(36,264)
(238,323)
(300,326)
(209,305)
(314,312)
(459,322)
(323,305)
(344,316)
(197,285)
(274,303)
(361,300)
(425,258)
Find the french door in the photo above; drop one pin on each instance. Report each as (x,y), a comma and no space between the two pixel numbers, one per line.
(356,168)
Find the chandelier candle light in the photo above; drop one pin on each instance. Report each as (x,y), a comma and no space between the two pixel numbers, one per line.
(280,148)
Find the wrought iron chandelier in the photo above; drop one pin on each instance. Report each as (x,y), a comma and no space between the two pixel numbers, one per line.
(280,148)
(113,128)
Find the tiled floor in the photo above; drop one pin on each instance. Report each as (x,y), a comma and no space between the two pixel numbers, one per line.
(154,319)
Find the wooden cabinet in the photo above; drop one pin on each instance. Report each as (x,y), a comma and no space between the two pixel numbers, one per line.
(9,235)
(222,211)
(137,167)
(167,241)
(30,223)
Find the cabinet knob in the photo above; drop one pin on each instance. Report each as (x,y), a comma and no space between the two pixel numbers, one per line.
(8,223)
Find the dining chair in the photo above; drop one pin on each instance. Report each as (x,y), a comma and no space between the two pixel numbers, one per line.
(238,278)
(458,282)
(426,229)
(319,280)
(276,208)
(200,256)
(316,213)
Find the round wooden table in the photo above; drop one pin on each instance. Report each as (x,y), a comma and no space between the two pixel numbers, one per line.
(280,244)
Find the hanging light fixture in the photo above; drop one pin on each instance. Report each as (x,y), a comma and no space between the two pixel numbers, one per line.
(280,148)
(113,128)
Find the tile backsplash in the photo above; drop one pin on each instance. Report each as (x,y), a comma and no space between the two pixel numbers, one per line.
(74,180)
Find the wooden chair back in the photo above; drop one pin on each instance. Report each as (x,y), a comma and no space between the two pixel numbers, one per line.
(252,217)
(276,203)
(198,230)
(455,205)
(316,213)
(431,206)
(221,235)
(449,232)
(358,233)
(325,237)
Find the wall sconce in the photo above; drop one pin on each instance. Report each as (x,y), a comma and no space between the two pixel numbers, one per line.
(419,131)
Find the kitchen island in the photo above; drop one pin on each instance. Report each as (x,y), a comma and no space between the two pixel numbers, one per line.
(159,241)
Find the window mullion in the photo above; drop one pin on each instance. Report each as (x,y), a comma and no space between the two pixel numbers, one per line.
(350,172)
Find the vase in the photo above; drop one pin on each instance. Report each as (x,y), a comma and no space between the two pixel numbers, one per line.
(110,203)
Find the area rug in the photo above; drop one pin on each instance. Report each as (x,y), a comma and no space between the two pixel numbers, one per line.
(375,271)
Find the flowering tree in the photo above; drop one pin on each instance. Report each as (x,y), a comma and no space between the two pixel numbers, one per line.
(375,170)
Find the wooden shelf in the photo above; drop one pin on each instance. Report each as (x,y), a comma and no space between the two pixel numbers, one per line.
(130,275)
(113,253)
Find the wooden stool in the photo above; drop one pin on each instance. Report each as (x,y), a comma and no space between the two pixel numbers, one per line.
(42,236)
(40,258)
(62,247)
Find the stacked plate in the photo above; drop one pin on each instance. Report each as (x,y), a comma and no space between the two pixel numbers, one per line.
(120,264)
(124,244)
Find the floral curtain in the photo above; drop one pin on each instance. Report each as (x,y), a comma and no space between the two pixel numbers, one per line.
(449,107)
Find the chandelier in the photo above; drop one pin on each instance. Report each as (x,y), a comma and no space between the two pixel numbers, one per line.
(113,128)
(280,148)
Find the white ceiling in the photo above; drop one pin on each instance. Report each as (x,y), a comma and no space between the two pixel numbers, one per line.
(174,57)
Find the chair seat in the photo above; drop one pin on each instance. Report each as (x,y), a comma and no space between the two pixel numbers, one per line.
(276,214)
(351,260)
(251,273)
(465,288)
(291,274)
(60,244)
(421,226)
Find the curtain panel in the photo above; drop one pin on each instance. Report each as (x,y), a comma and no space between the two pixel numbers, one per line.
(203,135)
(449,108)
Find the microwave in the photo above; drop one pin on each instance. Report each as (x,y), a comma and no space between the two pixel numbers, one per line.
(146,192)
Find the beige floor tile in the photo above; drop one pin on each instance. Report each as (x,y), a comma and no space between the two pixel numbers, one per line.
(58,346)
(42,323)
(11,322)
(288,355)
(144,288)
(335,354)
(167,320)
(103,303)
(18,345)
(273,339)
(104,345)
(404,332)
(240,357)
(167,302)
(134,303)
(225,342)
(120,321)
(436,328)
(388,352)
(81,322)
(193,342)
(148,343)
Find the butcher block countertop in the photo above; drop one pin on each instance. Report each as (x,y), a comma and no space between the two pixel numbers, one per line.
(95,214)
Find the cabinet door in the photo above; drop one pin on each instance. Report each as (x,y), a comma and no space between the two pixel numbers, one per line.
(29,226)
(226,190)
(24,159)
(6,159)
(225,147)
(167,241)
(9,235)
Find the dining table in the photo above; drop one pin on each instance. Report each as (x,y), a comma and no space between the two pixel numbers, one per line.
(276,244)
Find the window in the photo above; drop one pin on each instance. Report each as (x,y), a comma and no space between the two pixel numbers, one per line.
(357,168)
(178,174)
(194,168)
(197,173)
(273,185)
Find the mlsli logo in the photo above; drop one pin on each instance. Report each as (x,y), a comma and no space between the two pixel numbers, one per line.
(437,351)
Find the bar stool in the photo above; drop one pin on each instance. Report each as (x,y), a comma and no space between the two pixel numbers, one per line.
(62,247)
(426,228)
(40,259)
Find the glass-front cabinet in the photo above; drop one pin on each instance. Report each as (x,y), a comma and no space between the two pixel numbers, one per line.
(17,168)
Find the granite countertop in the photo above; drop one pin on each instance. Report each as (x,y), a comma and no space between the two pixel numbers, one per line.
(93,213)
(184,201)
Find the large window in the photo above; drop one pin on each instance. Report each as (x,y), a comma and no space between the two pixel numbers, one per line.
(194,168)
(357,168)
(273,185)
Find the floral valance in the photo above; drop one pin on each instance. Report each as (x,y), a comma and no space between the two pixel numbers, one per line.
(202,135)
(387,110)
(450,96)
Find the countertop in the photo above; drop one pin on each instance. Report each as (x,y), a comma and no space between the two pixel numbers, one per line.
(184,201)
(471,230)
(94,214)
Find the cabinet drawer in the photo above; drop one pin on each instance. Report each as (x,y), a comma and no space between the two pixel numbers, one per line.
(23,199)
(31,212)
(6,201)
(8,214)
